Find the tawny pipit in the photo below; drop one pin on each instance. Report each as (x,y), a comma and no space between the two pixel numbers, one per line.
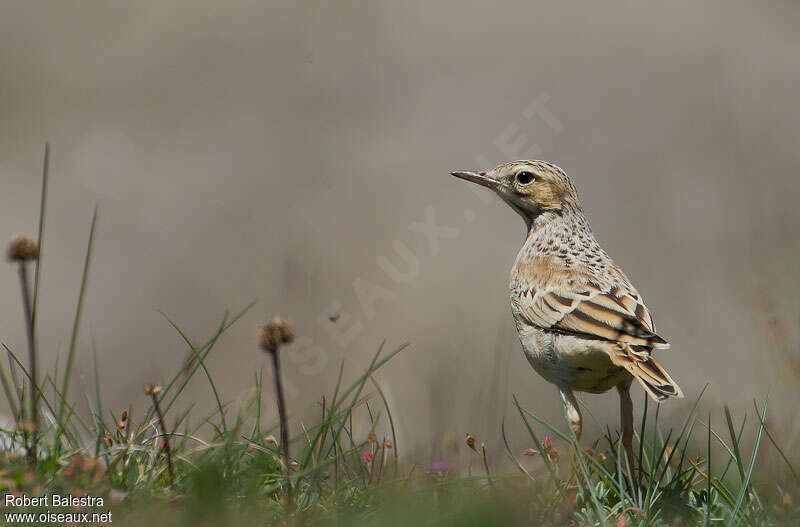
(581,323)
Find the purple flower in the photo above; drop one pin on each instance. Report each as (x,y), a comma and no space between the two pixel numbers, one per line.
(439,468)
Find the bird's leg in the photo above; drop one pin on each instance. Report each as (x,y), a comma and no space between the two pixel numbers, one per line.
(575,420)
(573,411)
(626,420)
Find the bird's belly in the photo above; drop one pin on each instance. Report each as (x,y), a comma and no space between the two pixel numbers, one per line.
(580,363)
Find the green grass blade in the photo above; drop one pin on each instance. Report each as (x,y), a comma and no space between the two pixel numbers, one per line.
(26,375)
(203,351)
(775,444)
(737,456)
(256,432)
(360,386)
(708,476)
(542,422)
(750,468)
(205,370)
(5,378)
(76,325)
(538,444)
(388,415)
(42,209)
(587,478)
(509,453)
(641,441)
(332,417)
(680,436)
(72,416)
(98,398)
(12,370)
(731,455)
(652,483)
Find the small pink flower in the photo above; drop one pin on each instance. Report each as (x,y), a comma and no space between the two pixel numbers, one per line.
(368,457)
(530,452)
(439,467)
(572,498)
(589,451)
(546,444)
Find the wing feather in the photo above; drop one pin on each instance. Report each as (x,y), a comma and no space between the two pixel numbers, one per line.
(653,378)
(614,312)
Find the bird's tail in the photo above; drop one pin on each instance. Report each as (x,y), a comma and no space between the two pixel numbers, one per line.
(655,381)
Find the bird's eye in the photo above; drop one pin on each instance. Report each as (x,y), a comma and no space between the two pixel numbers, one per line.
(525,178)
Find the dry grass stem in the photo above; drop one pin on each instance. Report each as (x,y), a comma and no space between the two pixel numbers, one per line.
(21,250)
(272,336)
(154,392)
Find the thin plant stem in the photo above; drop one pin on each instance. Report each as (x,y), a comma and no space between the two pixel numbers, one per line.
(164,432)
(284,425)
(34,397)
(486,465)
(75,326)
(40,239)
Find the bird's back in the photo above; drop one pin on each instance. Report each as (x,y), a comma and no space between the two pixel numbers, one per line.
(565,256)
(580,319)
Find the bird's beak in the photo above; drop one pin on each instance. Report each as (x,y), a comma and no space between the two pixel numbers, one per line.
(477,177)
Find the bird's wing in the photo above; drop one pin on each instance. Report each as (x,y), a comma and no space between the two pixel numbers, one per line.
(612,311)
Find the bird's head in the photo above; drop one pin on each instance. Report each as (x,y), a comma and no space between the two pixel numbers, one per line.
(531,188)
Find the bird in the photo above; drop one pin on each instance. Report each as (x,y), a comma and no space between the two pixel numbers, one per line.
(582,324)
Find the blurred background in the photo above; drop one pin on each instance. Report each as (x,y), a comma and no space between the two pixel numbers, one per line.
(299,155)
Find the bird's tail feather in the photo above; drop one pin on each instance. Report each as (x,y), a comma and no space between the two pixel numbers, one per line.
(653,378)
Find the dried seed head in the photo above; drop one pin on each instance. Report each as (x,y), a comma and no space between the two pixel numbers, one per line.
(275,333)
(572,498)
(271,439)
(150,389)
(22,249)
(470,440)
